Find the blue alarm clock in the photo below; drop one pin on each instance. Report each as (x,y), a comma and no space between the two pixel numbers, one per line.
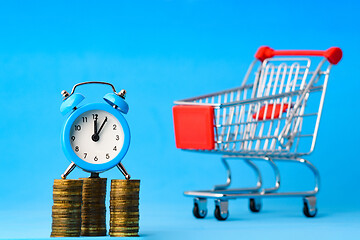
(96,136)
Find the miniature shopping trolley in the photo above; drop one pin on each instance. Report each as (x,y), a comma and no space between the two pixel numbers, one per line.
(274,117)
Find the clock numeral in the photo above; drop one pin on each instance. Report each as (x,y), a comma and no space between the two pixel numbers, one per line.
(95,116)
(84,119)
(114,127)
(115,149)
(77,149)
(96,158)
(85,154)
(77,127)
(117,137)
(73,138)
(107,156)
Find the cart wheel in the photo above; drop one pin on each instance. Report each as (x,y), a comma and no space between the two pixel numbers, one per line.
(309,208)
(309,213)
(219,216)
(197,212)
(255,205)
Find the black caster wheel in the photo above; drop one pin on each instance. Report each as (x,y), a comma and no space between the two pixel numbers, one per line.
(219,216)
(199,213)
(308,213)
(254,205)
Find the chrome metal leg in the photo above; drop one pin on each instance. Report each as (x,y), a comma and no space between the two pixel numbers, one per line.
(315,172)
(257,171)
(68,170)
(122,169)
(228,180)
(277,176)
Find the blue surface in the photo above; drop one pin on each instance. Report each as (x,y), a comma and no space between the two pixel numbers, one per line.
(68,150)
(161,51)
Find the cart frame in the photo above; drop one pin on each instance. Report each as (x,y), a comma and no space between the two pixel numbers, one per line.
(275,103)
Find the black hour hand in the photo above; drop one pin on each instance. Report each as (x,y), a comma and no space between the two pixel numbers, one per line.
(95,136)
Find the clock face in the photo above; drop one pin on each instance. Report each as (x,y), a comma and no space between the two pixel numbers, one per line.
(96,136)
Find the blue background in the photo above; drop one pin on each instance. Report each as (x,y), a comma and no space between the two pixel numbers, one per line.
(161,51)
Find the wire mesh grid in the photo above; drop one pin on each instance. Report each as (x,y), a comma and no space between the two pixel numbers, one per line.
(269,116)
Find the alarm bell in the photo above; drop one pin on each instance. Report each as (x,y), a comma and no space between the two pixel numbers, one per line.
(117,101)
(71,102)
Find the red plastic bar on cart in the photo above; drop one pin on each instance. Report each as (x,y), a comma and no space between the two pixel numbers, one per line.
(333,54)
(194,127)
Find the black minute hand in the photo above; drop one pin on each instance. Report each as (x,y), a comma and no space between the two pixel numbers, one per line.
(102,125)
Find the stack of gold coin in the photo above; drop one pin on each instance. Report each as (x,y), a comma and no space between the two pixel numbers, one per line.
(66,211)
(93,210)
(124,208)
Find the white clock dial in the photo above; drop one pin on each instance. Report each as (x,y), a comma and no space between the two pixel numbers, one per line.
(96,136)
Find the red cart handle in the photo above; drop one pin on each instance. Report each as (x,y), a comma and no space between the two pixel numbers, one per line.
(333,54)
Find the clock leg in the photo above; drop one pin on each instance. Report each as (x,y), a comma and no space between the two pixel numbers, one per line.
(68,170)
(123,171)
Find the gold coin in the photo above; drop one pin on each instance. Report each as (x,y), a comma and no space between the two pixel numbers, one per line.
(124,202)
(92,195)
(66,229)
(66,226)
(122,208)
(124,229)
(124,192)
(64,205)
(67,194)
(125,189)
(123,212)
(93,213)
(89,223)
(67,181)
(94,227)
(124,181)
(94,205)
(122,226)
(124,223)
(57,202)
(93,233)
(67,189)
(94,201)
(101,187)
(65,235)
(66,220)
(66,210)
(123,197)
(124,220)
(66,216)
(112,234)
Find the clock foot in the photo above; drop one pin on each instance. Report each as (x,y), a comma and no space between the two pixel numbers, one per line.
(68,170)
(94,175)
(123,171)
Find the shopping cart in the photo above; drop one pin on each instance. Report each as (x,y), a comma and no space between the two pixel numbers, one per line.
(276,117)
